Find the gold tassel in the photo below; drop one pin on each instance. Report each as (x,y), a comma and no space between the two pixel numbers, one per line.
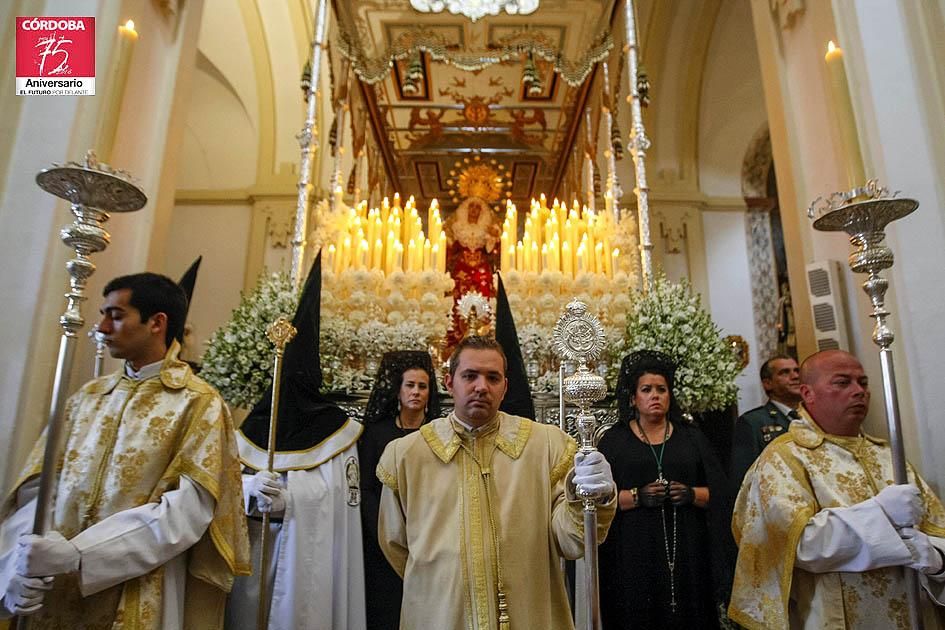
(504,619)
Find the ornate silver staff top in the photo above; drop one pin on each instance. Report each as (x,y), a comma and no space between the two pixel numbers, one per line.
(864,213)
(95,189)
(579,337)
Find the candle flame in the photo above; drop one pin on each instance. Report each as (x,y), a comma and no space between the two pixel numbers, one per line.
(130,25)
(831,46)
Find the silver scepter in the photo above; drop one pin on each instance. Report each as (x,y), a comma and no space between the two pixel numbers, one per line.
(308,143)
(864,213)
(95,190)
(280,333)
(579,337)
(639,144)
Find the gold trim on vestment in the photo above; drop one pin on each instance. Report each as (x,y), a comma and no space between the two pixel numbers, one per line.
(386,478)
(565,463)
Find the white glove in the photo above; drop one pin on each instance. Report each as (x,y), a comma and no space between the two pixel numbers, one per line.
(266,487)
(25,595)
(592,475)
(925,557)
(52,554)
(901,504)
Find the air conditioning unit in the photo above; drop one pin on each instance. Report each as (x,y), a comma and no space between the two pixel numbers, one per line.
(825,289)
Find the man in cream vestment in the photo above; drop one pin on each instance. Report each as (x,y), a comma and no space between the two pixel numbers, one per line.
(822,529)
(147,528)
(479,507)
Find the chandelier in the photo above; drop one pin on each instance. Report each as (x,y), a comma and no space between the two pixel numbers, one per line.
(475,9)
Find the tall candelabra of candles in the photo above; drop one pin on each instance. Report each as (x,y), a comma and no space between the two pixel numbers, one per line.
(557,238)
(389,238)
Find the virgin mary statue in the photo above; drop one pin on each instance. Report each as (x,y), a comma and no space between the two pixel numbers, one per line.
(472,253)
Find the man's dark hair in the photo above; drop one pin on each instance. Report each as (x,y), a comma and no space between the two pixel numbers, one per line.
(475,342)
(766,372)
(153,293)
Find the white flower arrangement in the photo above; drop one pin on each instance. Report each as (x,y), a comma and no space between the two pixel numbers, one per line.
(670,318)
(365,314)
(362,316)
(238,360)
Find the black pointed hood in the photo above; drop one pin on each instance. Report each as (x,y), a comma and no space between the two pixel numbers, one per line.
(306,417)
(188,280)
(518,400)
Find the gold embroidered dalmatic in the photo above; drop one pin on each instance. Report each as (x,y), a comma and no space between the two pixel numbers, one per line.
(127,443)
(451,495)
(798,475)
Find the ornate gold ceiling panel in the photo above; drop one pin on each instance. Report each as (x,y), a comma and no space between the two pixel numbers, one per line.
(443,89)
(442,48)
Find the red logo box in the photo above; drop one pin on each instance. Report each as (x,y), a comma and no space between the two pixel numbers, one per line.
(55,55)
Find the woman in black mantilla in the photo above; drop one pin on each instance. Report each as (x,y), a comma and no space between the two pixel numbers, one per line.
(666,561)
(404,397)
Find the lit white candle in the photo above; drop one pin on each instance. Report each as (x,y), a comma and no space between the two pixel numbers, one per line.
(363,254)
(330,263)
(376,254)
(846,121)
(115,88)
(346,253)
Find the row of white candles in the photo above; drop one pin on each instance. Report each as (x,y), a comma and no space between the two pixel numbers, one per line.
(556,238)
(389,238)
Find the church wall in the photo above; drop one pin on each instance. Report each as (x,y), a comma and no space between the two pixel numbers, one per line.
(46,130)
(34,277)
(10,103)
(286,69)
(219,233)
(881,40)
(729,296)
(732,108)
(731,112)
(220,28)
(220,144)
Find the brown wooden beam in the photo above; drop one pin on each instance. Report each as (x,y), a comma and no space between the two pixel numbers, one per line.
(380,135)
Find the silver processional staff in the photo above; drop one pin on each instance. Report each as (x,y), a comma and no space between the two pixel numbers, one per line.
(94,190)
(579,337)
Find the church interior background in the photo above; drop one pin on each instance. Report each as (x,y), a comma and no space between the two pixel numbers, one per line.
(435,106)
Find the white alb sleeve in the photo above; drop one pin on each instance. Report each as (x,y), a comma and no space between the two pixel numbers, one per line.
(138,540)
